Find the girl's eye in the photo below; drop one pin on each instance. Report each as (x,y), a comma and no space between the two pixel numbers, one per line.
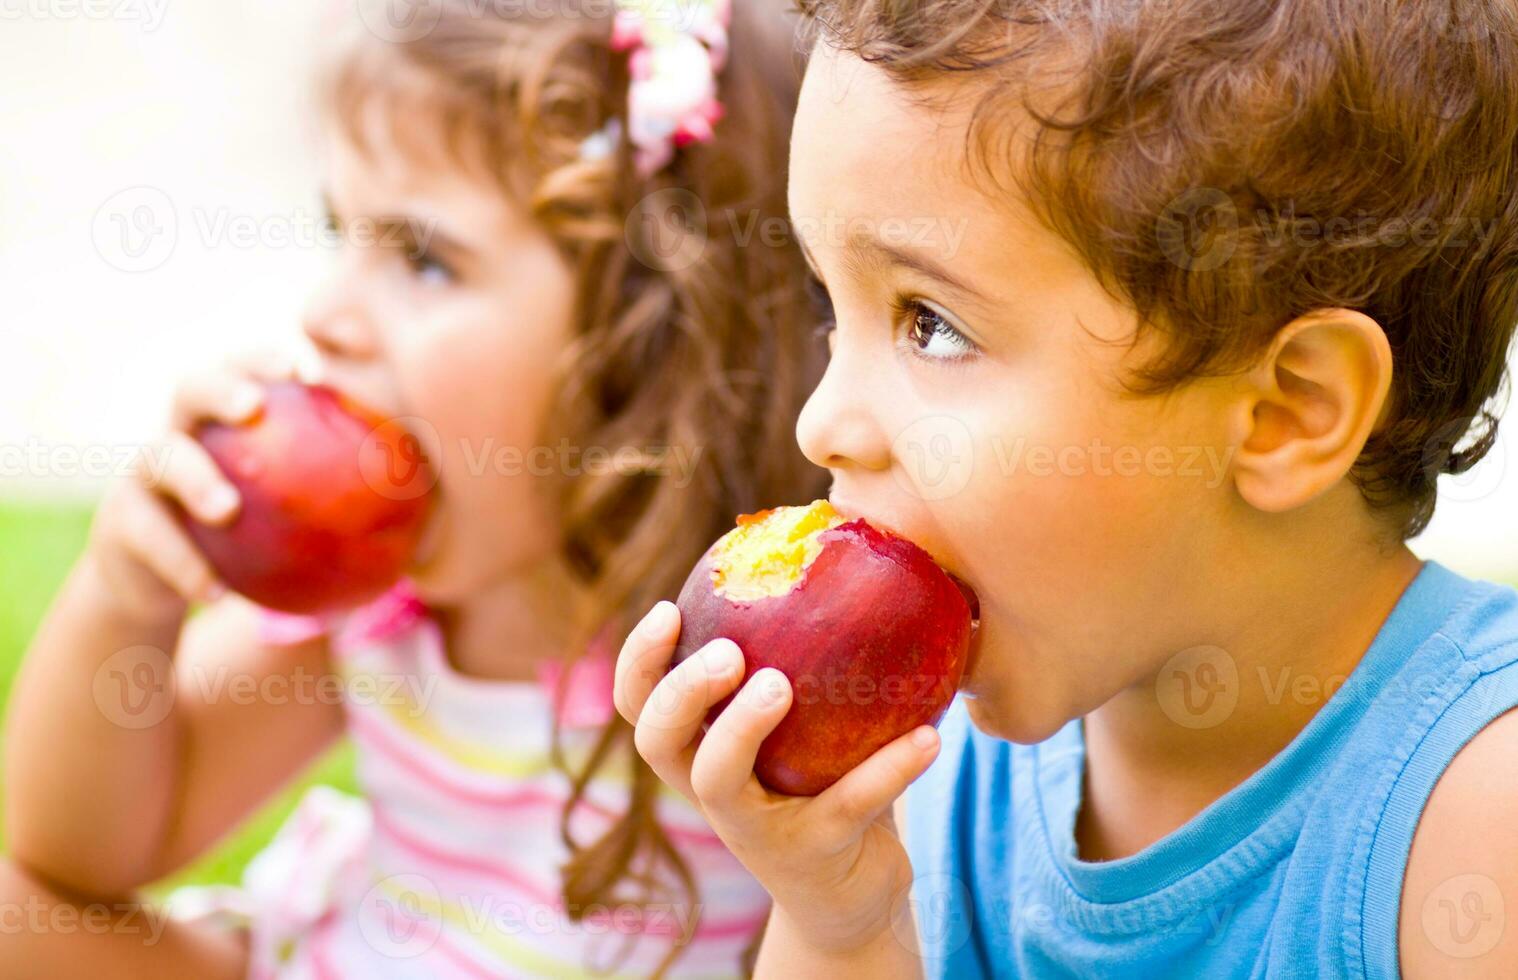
(932,336)
(428,267)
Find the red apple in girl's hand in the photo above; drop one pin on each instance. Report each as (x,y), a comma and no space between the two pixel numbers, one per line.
(871,633)
(334,499)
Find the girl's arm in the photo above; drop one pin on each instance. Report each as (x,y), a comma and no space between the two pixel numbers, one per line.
(134,739)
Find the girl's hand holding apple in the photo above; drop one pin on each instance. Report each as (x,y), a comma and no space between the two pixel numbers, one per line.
(139,549)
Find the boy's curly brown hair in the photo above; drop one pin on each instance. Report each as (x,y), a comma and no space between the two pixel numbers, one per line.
(1226,167)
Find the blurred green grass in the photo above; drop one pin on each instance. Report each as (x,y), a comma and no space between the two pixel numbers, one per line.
(38,544)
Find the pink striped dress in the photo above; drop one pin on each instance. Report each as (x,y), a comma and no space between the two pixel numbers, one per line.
(449,865)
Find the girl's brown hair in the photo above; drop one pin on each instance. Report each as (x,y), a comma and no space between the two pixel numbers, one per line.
(696,335)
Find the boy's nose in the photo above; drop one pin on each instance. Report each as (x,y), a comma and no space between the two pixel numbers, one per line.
(839,428)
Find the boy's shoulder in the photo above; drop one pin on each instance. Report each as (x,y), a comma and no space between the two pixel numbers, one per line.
(1462,869)
(1462,862)
(1422,819)
(1485,624)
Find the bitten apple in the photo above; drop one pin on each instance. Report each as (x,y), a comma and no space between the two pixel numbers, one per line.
(334,501)
(872,634)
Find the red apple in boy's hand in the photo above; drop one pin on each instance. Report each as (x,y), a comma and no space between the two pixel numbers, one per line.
(871,633)
(334,499)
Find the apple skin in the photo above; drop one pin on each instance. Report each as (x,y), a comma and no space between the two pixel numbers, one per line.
(334,501)
(873,639)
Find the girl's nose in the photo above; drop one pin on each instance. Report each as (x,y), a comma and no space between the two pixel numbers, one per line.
(337,322)
(839,428)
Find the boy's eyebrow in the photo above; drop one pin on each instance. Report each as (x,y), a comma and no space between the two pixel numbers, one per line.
(878,251)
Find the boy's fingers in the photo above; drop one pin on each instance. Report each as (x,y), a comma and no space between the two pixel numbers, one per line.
(673,713)
(869,789)
(724,763)
(187,473)
(645,659)
(219,397)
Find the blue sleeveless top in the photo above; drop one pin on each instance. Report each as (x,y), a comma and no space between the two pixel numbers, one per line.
(1296,872)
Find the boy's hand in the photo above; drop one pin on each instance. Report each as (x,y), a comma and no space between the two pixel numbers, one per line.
(832,863)
(139,552)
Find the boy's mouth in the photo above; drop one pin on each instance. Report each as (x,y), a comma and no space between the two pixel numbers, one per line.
(848,510)
(971,598)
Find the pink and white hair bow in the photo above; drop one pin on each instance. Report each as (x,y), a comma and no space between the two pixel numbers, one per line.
(676,50)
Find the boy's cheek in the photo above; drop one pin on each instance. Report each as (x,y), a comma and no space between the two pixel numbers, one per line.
(1063,565)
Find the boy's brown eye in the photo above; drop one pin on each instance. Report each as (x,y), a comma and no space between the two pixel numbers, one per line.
(923,326)
(932,335)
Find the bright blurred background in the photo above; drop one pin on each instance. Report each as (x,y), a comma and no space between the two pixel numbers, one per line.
(159,210)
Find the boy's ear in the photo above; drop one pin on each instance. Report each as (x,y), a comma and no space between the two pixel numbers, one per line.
(1308,406)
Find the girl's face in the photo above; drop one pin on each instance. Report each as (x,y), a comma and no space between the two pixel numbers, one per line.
(448,307)
(972,404)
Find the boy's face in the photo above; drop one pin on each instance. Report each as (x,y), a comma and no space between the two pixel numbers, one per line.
(973,404)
